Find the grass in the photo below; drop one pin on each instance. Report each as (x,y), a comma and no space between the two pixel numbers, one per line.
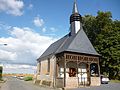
(115,81)
(28,78)
(1,79)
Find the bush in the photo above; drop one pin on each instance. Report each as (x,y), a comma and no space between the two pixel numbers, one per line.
(29,78)
(1,68)
(1,79)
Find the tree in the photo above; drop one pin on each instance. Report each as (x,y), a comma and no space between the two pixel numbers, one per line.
(90,27)
(1,72)
(108,45)
(104,34)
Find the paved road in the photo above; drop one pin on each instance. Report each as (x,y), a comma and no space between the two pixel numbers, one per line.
(110,86)
(15,84)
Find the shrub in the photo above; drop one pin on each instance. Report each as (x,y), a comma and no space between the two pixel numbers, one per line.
(1,68)
(29,78)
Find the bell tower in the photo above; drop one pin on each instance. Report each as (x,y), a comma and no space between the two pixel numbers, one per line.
(75,20)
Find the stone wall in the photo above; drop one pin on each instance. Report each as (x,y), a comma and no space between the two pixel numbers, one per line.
(95,81)
(71,82)
(43,75)
(60,82)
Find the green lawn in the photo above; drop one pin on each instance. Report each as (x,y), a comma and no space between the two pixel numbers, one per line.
(28,78)
(115,81)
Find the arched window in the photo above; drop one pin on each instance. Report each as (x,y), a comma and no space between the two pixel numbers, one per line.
(82,73)
(71,68)
(94,70)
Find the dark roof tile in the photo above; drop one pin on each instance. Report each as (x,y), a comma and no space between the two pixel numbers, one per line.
(78,43)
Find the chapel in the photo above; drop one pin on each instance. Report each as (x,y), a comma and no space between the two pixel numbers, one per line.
(71,61)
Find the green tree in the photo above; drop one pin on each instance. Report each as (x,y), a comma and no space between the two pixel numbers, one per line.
(1,72)
(108,45)
(90,26)
(104,34)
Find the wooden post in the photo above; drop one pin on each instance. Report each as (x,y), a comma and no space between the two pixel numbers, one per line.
(77,73)
(55,73)
(99,67)
(64,72)
(89,80)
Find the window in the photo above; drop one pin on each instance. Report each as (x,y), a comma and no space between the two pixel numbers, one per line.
(72,72)
(61,72)
(39,67)
(94,70)
(48,69)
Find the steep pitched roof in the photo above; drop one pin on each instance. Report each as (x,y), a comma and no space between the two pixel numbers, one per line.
(81,44)
(78,43)
(54,47)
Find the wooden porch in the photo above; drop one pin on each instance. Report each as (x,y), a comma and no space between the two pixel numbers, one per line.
(74,70)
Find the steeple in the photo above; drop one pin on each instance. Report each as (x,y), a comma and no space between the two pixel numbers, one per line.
(75,19)
(75,9)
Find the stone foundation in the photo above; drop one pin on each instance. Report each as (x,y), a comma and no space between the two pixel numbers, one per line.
(95,81)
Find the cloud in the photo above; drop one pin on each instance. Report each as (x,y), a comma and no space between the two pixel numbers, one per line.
(24,46)
(13,7)
(30,6)
(38,22)
(4,26)
(6,55)
(17,68)
(44,29)
(53,29)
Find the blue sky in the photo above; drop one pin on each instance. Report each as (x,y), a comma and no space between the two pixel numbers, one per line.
(55,13)
(30,26)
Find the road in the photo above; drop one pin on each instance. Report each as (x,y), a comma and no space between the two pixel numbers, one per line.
(110,86)
(15,84)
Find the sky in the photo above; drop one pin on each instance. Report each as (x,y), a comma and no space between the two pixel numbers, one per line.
(28,27)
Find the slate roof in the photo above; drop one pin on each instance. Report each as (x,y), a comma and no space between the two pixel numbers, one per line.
(78,43)
(54,47)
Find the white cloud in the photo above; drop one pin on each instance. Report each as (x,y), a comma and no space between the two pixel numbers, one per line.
(4,26)
(30,6)
(38,22)
(24,46)
(17,68)
(6,55)
(13,7)
(53,29)
(44,29)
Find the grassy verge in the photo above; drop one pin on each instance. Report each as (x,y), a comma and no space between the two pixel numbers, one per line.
(1,79)
(115,81)
(28,78)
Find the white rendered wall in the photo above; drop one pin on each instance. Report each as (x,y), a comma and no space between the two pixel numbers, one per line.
(75,26)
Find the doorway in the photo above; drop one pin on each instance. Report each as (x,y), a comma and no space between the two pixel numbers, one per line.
(82,73)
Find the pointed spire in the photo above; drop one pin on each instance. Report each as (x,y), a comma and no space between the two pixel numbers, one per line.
(75,9)
(75,20)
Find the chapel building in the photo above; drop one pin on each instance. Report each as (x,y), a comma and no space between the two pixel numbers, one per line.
(72,61)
